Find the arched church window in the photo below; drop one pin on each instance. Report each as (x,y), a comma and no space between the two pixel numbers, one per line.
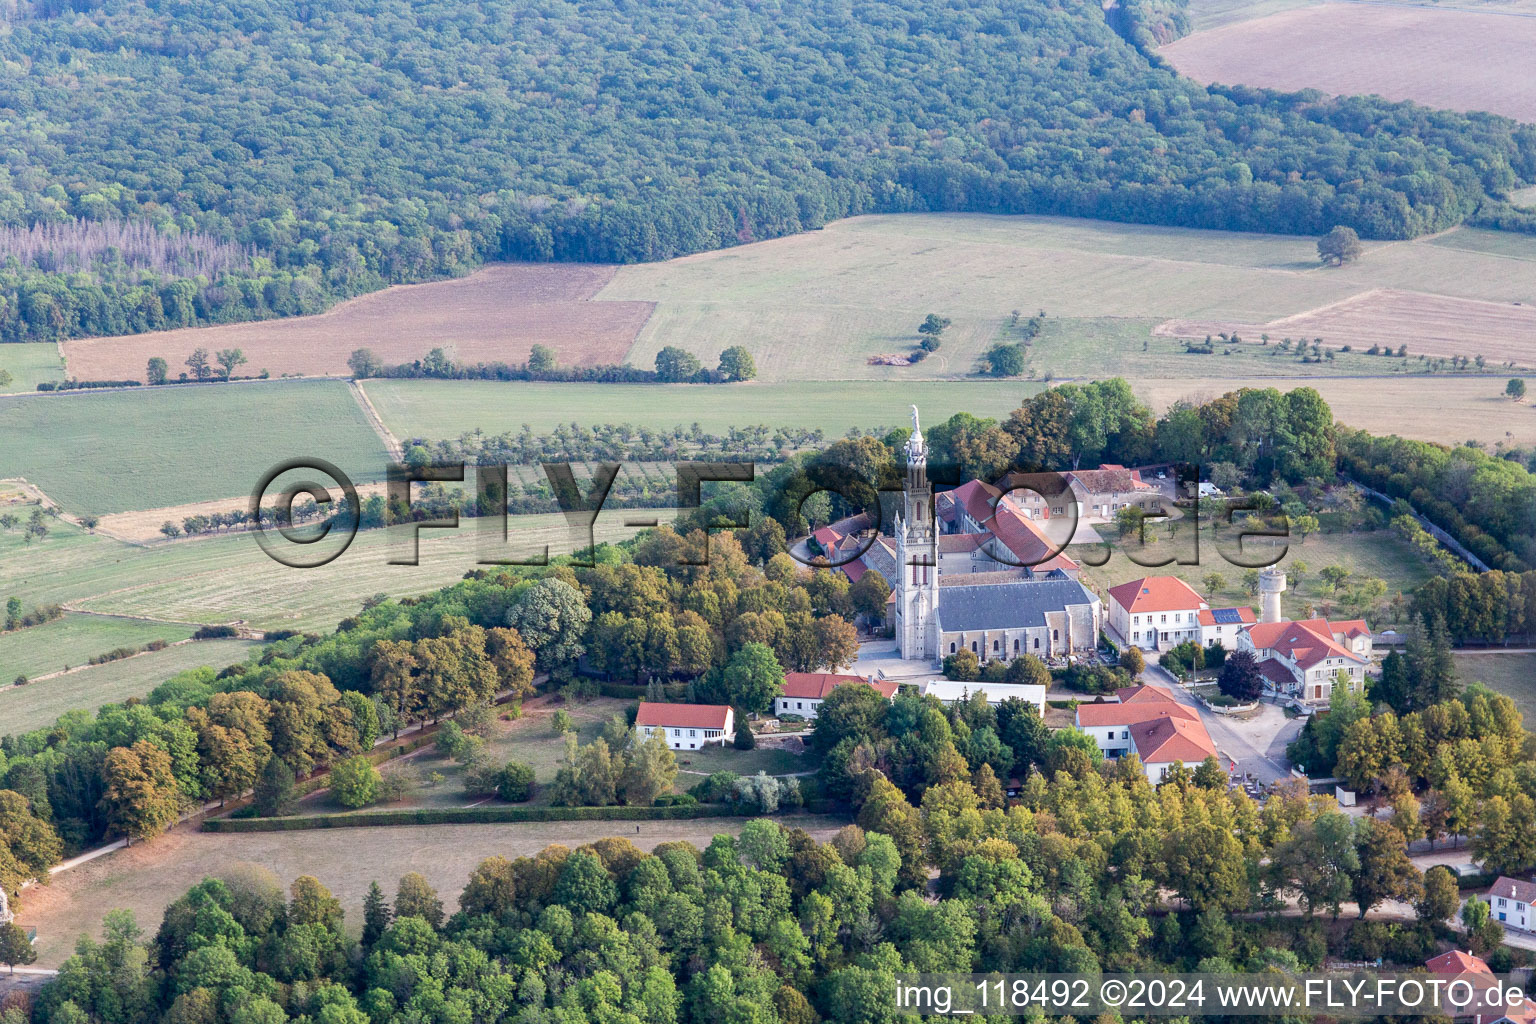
(951,647)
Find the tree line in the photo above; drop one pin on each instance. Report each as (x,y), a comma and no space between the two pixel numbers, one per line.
(772,926)
(1486,502)
(421,141)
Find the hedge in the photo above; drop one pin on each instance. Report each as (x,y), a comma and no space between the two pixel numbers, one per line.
(465,816)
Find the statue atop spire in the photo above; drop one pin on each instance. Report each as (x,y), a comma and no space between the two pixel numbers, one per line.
(915,428)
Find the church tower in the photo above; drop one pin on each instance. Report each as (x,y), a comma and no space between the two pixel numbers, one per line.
(917,557)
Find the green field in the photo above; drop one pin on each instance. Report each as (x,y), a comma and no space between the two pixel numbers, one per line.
(40,704)
(816,306)
(141,449)
(437,409)
(1511,674)
(1381,554)
(30,364)
(73,640)
(220,579)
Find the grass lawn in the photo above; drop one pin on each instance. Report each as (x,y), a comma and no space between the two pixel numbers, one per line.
(39,704)
(445,409)
(698,763)
(146,877)
(1511,674)
(30,364)
(1381,554)
(219,579)
(116,451)
(74,639)
(530,740)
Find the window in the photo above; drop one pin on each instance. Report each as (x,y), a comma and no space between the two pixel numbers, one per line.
(973,647)
(1055,635)
(1015,646)
(1503,902)
(951,648)
(1037,643)
(798,704)
(994,646)
(693,732)
(1165,618)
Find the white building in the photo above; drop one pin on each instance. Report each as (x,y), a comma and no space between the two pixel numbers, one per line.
(803,692)
(1147,721)
(1156,613)
(1222,625)
(1512,901)
(685,726)
(948,692)
(1301,660)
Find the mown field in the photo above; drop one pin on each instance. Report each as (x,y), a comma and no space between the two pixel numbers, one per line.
(1467,57)
(1381,554)
(40,703)
(134,449)
(1511,674)
(74,639)
(146,877)
(221,579)
(29,365)
(816,306)
(445,409)
(1468,407)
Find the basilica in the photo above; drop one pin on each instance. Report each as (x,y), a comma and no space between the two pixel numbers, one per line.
(971,570)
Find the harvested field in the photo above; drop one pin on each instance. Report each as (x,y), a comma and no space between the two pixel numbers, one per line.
(146,877)
(1452,58)
(1434,325)
(495,314)
(1449,410)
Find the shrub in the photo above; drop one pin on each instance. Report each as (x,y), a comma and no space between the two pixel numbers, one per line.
(515,784)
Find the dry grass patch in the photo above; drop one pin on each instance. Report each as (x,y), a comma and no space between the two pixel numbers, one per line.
(495,314)
(147,877)
(1434,325)
(1451,58)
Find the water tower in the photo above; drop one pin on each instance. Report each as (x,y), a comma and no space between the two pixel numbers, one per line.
(1271,586)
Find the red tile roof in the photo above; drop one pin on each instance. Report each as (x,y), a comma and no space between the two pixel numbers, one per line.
(1245,616)
(1156,594)
(816,685)
(1110,479)
(1457,962)
(1133,713)
(1143,692)
(1017,532)
(961,541)
(1306,643)
(1172,739)
(682,716)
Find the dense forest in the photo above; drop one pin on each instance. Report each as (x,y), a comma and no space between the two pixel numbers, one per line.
(286,154)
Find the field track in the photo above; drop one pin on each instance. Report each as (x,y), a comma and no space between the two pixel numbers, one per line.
(1435,325)
(495,314)
(1453,58)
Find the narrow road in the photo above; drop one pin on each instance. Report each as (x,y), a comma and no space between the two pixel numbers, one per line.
(1267,765)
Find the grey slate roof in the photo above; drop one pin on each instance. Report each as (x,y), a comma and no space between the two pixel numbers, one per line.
(1007,605)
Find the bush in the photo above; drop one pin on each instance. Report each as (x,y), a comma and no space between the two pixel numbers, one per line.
(715,788)
(215,632)
(744,738)
(464,816)
(516,783)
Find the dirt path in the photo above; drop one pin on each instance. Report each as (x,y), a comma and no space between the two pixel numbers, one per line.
(391,443)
